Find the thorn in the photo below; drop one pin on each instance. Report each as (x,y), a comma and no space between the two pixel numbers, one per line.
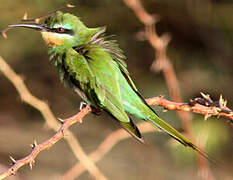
(166,38)
(161,96)
(82,105)
(60,120)
(225,103)
(221,100)
(34,144)
(206,97)
(220,97)
(4,32)
(12,159)
(32,162)
(207,116)
(25,16)
(202,94)
(70,5)
(217,109)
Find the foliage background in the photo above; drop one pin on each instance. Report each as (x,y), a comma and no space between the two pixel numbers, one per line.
(201,51)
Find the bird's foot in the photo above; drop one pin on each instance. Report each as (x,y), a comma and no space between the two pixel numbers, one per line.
(82,105)
(96,111)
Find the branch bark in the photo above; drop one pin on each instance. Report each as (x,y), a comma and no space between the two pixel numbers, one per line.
(162,62)
(204,105)
(49,117)
(30,159)
(200,106)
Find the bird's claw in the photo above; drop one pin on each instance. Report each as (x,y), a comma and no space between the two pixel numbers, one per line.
(96,111)
(82,105)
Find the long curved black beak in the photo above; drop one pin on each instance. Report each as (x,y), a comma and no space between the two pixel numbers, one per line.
(38,27)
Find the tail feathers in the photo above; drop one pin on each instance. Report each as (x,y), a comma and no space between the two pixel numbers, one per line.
(205,155)
(131,128)
(179,137)
(162,125)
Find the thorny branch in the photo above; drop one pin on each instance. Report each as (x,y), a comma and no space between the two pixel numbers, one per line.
(49,117)
(203,105)
(162,62)
(30,159)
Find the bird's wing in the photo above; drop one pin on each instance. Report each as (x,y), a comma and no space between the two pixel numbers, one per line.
(156,121)
(103,90)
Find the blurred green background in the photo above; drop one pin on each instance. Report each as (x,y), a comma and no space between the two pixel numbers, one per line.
(200,49)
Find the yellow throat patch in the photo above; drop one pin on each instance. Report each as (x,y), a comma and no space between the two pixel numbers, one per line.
(51,39)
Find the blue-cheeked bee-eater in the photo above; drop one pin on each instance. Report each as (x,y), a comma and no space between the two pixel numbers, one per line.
(93,66)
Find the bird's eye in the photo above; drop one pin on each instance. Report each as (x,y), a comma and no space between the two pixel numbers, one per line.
(60,30)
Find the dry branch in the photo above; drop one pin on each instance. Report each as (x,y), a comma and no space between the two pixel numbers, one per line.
(49,117)
(202,105)
(37,148)
(162,62)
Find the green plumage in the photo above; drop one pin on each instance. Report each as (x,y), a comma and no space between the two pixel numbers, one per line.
(93,66)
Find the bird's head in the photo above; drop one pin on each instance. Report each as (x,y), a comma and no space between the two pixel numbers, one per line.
(62,29)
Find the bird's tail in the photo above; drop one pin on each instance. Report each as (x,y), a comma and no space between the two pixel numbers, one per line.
(132,129)
(157,122)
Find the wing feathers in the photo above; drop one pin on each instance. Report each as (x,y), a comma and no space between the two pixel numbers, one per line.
(132,129)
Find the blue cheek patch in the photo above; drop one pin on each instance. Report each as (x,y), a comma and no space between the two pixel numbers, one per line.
(65,26)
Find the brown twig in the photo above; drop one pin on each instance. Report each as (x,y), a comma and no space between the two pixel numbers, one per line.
(159,44)
(200,107)
(204,105)
(37,148)
(49,117)
(163,63)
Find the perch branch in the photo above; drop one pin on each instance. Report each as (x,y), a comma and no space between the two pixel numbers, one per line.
(204,106)
(49,117)
(201,105)
(37,148)
(162,62)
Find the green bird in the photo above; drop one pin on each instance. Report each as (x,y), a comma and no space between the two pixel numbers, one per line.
(93,66)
